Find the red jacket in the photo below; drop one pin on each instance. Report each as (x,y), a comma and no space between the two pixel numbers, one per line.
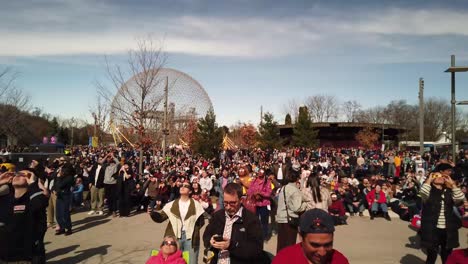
(458,256)
(175,258)
(337,207)
(371,197)
(294,254)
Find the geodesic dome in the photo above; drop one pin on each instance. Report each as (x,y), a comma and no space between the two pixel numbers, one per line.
(187,101)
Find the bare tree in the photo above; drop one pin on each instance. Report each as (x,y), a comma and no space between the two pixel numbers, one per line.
(292,108)
(350,110)
(372,115)
(7,78)
(322,108)
(100,113)
(134,103)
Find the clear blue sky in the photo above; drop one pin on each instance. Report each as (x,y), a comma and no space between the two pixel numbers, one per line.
(244,53)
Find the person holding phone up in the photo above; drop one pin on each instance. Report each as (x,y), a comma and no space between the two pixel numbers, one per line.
(234,234)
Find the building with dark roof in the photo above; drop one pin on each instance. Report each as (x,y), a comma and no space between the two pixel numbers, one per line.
(342,134)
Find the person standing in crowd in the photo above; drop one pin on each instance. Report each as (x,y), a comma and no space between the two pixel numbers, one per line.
(315,195)
(439,224)
(63,185)
(23,214)
(221,183)
(110,183)
(290,203)
(260,191)
(185,221)
(205,182)
(125,186)
(96,187)
(234,234)
(316,246)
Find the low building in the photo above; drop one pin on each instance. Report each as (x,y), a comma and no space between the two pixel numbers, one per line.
(343,134)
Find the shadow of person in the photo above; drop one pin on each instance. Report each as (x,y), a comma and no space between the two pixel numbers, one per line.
(411,259)
(414,242)
(82,255)
(90,225)
(60,251)
(89,219)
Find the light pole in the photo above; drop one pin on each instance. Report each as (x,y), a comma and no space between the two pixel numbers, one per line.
(454,69)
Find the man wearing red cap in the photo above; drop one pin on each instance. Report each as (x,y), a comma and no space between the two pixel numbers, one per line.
(316,229)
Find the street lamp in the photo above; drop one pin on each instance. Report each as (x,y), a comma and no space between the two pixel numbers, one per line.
(454,69)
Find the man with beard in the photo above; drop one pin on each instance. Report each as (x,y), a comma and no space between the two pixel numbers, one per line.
(22,218)
(316,230)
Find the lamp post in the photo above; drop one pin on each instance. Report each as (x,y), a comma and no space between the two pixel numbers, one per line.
(454,69)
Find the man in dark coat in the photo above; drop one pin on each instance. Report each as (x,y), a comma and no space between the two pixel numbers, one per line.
(234,234)
(439,224)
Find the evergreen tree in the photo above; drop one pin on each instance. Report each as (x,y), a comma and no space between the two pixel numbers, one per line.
(54,127)
(304,135)
(269,133)
(288,120)
(208,137)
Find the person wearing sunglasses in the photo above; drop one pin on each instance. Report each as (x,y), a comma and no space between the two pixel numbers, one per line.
(22,218)
(439,224)
(169,253)
(186,218)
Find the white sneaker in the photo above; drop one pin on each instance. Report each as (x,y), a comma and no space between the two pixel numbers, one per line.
(91,212)
(100,212)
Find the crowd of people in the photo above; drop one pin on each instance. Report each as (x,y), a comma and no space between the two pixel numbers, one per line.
(276,189)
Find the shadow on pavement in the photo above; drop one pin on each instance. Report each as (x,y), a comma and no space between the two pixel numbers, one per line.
(82,255)
(89,219)
(414,242)
(411,259)
(89,225)
(60,251)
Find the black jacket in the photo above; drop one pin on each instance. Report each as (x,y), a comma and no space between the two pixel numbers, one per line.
(25,225)
(430,215)
(246,238)
(100,178)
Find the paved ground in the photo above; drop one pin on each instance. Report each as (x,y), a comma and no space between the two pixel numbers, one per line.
(102,240)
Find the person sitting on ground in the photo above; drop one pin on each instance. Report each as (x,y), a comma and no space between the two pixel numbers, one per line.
(169,253)
(316,246)
(377,200)
(337,210)
(354,201)
(78,193)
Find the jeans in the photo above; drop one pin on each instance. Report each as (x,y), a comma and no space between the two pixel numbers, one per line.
(355,209)
(383,206)
(186,245)
(110,192)
(63,211)
(263,213)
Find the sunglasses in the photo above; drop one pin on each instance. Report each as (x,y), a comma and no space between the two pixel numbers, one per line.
(169,243)
(186,185)
(24,174)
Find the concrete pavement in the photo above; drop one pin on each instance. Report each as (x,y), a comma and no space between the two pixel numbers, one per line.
(107,240)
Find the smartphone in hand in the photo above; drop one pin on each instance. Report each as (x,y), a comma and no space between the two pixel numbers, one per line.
(218,238)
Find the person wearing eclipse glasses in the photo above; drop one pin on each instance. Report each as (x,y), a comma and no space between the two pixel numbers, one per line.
(22,218)
(439,224)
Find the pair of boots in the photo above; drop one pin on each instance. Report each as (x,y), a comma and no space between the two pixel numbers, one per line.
(386,216)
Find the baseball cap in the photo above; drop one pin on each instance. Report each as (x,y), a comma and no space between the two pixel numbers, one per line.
(316,221)
(442,167)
